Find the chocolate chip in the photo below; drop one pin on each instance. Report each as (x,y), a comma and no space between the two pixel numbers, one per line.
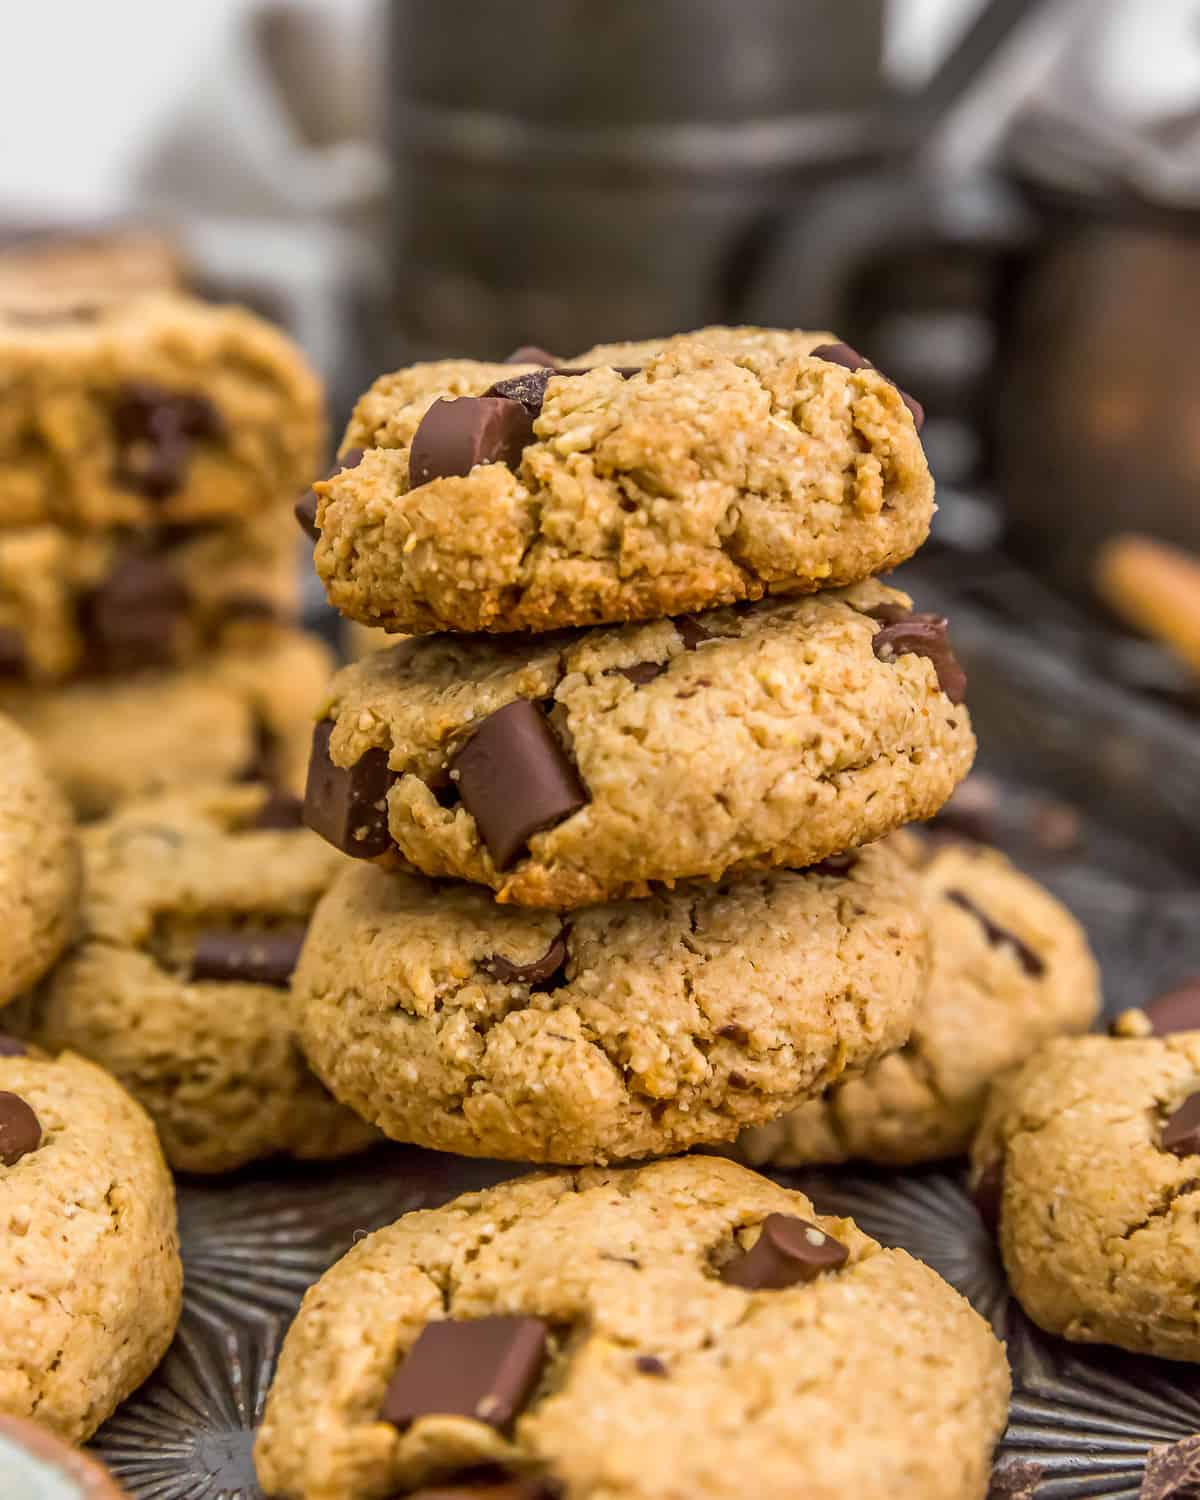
(20,1129)
(515,779)
(649,1364)
(999,936)
(787,1251)
(987,1194)
(539,975)
(261,765)
(131,619)
(530,354)
(641,672)
(529,390)
(156,430)
(248,606)
(1181,1133)
(485,1369)
(922,635)
(691,632)
(734,1033)
(13,662)
(348,805)
(248,957)
(835,864)
(281,811)
(305,509)
(454,436)
(1177,1010)
(851,359)
(12,1046)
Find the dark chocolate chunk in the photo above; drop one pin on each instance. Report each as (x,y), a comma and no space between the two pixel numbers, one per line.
(531,354)
(987,1194)
(835,864)
(281,810)
(13,662)
(1177,1010)
(691,632)
(131,619)
(485,1368)
(305,509)
(922,635)
(515,779)
(156,430)
(998,936)
(1181,1133)
(529,390)
(20,1129)
(734,1033)
(649,1364)
(248,606)
(348,805)
(851,359)
(539,975)
(248,957)
(261,765)
(455,435)
(787,1251)
(12,1046)
(641,672)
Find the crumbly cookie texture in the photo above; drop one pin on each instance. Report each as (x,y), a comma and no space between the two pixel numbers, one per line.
(244,713)
(630,1030)
(150,411)
(731,465)
(661,1379)
(90,1277)
(213,1060)
(39,865)
(113,601)
(777,739)
(988,1005)
(1099,1215)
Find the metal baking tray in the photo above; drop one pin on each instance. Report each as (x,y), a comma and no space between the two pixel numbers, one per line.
(1058,734)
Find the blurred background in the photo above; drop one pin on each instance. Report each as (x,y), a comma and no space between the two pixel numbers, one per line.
(997,200)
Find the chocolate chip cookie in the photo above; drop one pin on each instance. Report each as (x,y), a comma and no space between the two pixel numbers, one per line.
(195,911)
(717,466)
(244,713)
(113,602)
(38,1466)
(630,1030)
(1010,968)
(90,1278)
(563,770)
(1089,1160)
(155,411)
(39,865)
(686,1329)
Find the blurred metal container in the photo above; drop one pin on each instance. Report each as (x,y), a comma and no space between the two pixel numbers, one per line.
(570,171)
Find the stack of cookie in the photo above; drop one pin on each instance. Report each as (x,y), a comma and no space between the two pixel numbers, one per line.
(616,803)
(149,450)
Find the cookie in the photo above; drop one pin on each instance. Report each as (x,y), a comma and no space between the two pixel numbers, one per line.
(629,1030)
(38,1466)
(116,602)
(571,769)
(243,714)
(58,270)
(719,466)
(1010,968)
(684,1329)
(159,410)
(39,865)
(90,1277)
(196,906)
(1089,1159)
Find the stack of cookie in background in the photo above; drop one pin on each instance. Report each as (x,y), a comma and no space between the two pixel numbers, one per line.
(149,449)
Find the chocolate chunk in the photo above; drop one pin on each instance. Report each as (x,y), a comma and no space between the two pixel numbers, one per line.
(261,765)
(515,779)
(530,354)
(454,436)
(691,632)
(130,621)
(281,811)
(641,672)
(987,1194)
(248,606)
(1031,962)
(649,1364)
(12,1046)
(787,1251)
(1177,1010)
(539,975)
(156,430)
(20,1129)
(922,635)
(1181,1133)
(734,1033)
(485,1368)
(835,864)
(851,359)
(305,509)
(348,805)
(13,662)
(529,390)
(248,957)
